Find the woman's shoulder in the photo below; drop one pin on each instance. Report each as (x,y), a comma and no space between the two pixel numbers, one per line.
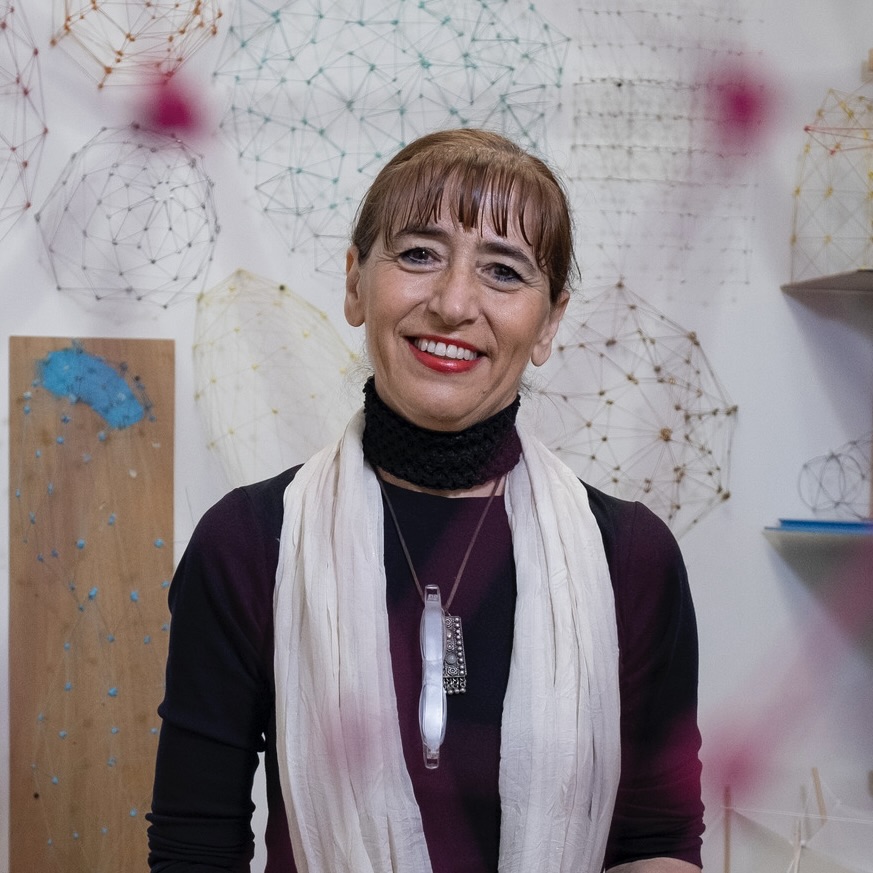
(645,563)
(228,569)
(265,499)
(624,523)
(251,512)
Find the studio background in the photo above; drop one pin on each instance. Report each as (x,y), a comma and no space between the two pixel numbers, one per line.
(785,688)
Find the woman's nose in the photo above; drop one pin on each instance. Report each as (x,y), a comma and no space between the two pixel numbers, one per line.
(455,297)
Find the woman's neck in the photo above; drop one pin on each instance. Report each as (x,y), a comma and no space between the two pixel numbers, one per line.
(439,462)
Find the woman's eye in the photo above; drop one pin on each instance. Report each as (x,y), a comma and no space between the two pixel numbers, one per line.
(505,273)
(416,256)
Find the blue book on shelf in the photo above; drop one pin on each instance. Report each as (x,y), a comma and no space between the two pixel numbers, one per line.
(814,525)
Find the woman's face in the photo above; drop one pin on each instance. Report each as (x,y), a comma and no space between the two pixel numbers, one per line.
(453,316)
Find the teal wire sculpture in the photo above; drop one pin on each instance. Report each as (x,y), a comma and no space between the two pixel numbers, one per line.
(322,93)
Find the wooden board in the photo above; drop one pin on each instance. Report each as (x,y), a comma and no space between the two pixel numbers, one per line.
(91,554)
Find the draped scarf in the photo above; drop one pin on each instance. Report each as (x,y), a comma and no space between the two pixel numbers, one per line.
(348,795)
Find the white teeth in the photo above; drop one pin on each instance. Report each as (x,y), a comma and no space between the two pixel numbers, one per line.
(442,350)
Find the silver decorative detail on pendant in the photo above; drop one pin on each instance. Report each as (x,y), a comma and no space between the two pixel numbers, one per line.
(455,659)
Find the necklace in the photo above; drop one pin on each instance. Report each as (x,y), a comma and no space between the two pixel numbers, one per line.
(454,657)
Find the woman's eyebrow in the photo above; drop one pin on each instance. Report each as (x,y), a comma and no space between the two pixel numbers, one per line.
(489,246)
(429,230)
(507,250)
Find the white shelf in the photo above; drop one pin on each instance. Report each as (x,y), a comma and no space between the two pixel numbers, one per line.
(817,554)
(813,532)
(852,282)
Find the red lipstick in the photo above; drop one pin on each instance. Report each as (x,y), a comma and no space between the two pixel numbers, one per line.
(442,364)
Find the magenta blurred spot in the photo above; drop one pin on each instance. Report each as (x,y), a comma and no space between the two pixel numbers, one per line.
(739,105)
(171,108)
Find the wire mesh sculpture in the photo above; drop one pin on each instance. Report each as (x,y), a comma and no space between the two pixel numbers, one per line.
(666,110)
(820,833)
(21,107)
(269,372)
(838,484)
(631,404)
(833,198)
(121,40)
(130,218)
(323,93)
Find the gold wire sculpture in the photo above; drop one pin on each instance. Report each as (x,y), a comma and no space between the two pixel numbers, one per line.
(269,372)
(119,42)
(631,404)
(833,198)
(131,218)
(23,112)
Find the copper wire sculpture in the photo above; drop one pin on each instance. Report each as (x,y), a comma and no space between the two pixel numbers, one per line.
(838,484)
(665,113)
(119,42)
(24,128)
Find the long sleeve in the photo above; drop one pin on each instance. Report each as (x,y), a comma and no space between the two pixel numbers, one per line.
(658,811)
(218,703)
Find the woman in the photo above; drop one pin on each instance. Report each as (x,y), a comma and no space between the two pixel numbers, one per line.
(322,616)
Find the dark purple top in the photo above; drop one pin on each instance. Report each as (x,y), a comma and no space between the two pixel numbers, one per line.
(218,711)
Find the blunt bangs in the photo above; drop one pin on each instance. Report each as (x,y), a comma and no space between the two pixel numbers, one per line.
(475,183)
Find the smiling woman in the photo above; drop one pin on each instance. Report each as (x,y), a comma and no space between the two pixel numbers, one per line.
(563,735)
(453,317)
(459,268)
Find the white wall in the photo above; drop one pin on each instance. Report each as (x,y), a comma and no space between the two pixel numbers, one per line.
(802,377)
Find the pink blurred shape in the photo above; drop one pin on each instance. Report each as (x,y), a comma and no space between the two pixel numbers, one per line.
(740,105)
(171,106)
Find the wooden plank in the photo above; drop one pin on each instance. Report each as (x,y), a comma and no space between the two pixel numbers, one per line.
(91,533)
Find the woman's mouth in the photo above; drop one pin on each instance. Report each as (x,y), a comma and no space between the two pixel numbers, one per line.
(444,356)
(445,350)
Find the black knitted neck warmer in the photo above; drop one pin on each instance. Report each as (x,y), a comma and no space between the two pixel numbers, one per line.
(443,460)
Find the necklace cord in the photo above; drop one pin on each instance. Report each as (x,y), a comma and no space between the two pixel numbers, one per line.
(470,545)
(399,535)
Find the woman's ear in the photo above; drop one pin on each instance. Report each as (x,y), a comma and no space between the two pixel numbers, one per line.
(353,307)
(542,350)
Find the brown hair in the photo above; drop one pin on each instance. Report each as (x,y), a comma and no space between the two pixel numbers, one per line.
(472,167)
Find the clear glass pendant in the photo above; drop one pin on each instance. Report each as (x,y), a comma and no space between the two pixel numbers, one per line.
(432,703)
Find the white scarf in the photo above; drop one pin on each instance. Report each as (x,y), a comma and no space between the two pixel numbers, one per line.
(348,795)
